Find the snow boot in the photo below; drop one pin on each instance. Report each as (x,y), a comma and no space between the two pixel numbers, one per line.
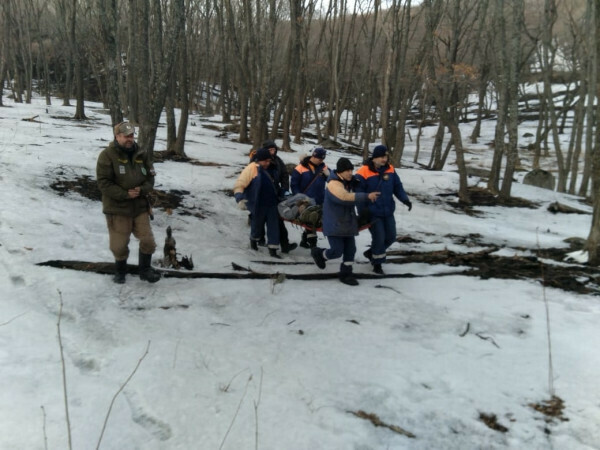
(311,241)
(368,254)
(303,241)
(147,273)
(346,275)
(253,244)
(286,247)
(378,270)
(273,253)
(317,254)
(120,271)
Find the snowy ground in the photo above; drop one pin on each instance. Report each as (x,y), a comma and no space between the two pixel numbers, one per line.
(244,364)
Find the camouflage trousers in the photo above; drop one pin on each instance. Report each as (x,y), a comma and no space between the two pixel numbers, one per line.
(120,229)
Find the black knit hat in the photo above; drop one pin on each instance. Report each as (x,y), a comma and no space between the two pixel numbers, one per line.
(269,143)
(262,154)
(344,164)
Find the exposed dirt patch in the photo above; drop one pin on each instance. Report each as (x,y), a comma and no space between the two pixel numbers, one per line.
(551,409)
(86,186)
(492,422)
(481,197)
(569,277)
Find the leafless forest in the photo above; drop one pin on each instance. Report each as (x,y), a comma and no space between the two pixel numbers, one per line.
(354,72)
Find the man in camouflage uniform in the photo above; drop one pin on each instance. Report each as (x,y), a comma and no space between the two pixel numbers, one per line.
(125,177)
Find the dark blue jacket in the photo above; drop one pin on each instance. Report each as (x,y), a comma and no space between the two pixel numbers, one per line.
(310,180)
(384,180)
(339,212)
(258,187)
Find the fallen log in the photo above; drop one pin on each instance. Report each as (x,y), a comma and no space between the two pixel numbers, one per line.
(105,268)
(557,207)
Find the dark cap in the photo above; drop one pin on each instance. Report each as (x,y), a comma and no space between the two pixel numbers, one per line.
(319,152)
(344,164)
(262,154)
(379,151)
(269,143)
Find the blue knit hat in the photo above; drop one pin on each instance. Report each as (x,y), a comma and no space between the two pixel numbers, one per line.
(379,151)
(319,152)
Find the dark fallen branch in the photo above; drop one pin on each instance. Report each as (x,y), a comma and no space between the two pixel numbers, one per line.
(557,207)
(375,420)
(105,268)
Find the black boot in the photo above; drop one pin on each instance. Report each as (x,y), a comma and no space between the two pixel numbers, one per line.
(346,275)
(317,254)
(253,244)
(286,247)
(303,241)
(120,271)
(273,253)
(378,270)
(147,273)
(311,240)
(368,254)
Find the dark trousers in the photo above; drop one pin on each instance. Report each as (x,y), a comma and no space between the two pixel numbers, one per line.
(283,233)
(383,234)
(265,215)
(341,246)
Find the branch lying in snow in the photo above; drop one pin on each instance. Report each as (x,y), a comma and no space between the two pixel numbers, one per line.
(119,391)
(487,338)
(14,318)
(375,420)
(105,268)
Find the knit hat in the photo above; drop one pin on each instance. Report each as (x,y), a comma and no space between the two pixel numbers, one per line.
(344,164)
(319,152)
(379,151)
(269,143)
(262,154)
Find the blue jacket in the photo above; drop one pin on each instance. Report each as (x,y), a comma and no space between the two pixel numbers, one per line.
(310,180)
(339,212)
(257,186)
(384,180)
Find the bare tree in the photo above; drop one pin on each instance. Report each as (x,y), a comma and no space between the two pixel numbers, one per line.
(149,72)
(593,15)
(108,23)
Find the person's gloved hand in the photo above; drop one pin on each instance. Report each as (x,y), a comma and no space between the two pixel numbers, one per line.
(409,204)
(241,201)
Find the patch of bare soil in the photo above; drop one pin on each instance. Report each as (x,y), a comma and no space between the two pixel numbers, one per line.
(569,277)
(86,186)
(483,197)
(551,409)
(492,422)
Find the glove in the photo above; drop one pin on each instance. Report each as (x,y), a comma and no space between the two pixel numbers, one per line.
(242,204)
(286,194)
(409,204)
